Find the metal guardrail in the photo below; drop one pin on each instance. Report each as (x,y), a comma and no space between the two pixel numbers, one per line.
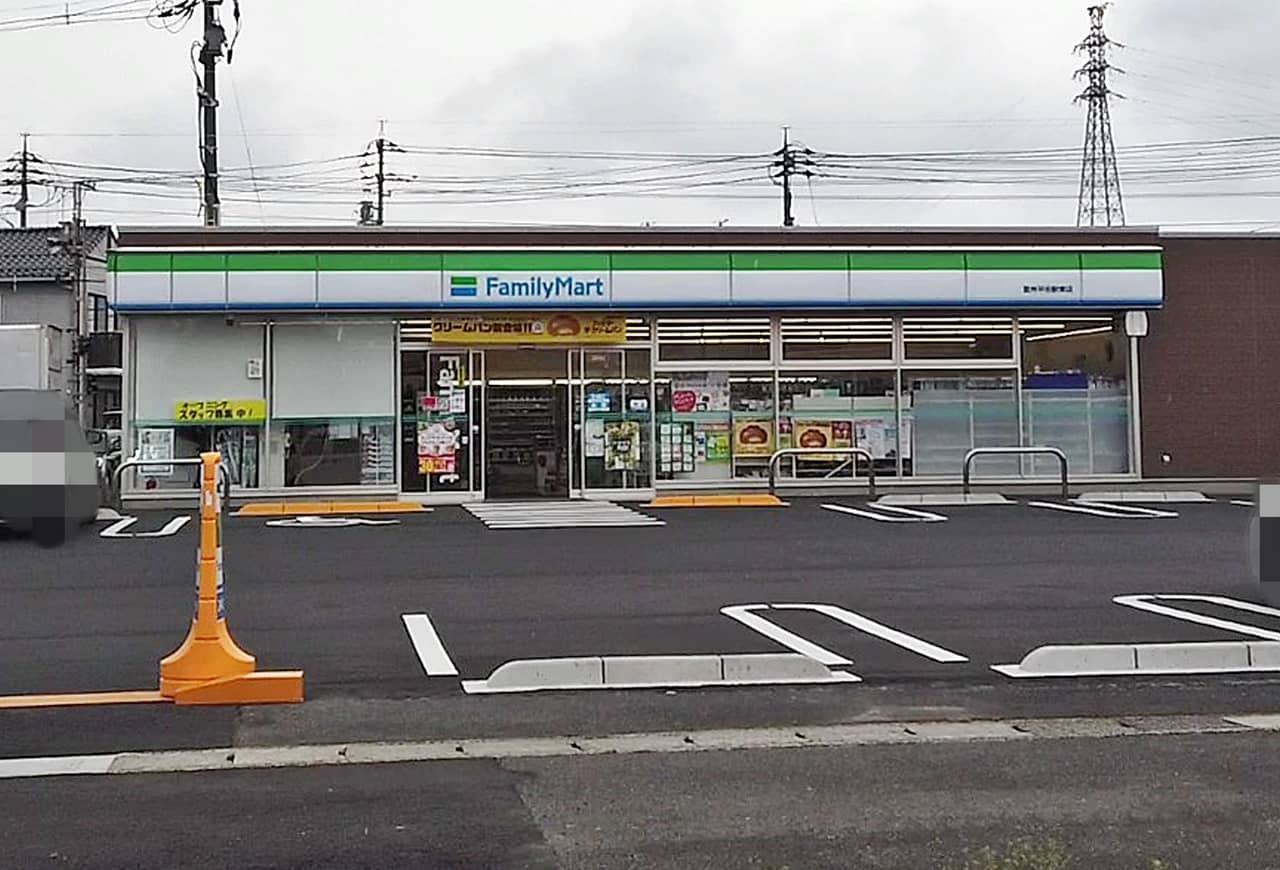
(1016,451)
(117,495)
(777,456)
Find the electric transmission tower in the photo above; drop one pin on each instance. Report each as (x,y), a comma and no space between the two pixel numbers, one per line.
(1100,203)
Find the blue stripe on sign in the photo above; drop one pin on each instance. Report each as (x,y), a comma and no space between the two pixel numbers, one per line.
(457,289)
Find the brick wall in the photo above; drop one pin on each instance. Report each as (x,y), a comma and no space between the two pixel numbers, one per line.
(1210,367)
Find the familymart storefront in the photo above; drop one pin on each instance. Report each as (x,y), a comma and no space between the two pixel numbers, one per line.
(447,367)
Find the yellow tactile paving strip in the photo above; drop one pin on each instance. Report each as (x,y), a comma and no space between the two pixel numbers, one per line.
(321,508)
(80,699)
(716,501)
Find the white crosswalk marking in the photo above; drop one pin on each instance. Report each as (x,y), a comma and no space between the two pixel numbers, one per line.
(557,515)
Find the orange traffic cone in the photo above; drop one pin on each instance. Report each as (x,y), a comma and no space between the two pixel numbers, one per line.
(209,668)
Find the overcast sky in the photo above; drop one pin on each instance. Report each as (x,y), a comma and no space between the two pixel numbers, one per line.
(311,79)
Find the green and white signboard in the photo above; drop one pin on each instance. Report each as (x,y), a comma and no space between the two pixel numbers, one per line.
(865,278)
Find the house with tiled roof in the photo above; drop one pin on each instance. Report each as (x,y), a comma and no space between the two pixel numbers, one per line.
(51,278)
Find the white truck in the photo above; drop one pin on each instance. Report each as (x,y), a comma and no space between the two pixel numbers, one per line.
(31,357)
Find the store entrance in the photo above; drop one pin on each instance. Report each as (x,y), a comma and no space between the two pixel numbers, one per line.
(526,423)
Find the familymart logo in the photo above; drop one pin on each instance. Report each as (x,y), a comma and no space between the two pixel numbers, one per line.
(542,288)
(462,285)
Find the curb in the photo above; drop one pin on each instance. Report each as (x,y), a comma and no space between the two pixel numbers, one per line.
(944,499)
(1108,660)
(715,501)
(1186,496)
(655,672)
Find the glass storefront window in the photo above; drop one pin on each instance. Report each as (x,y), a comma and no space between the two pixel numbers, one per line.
(837,409)
(714,338)
(835,338)
(348,452)
(239,445)
(714,425)
(947,413)
(958,338)
(1075,393)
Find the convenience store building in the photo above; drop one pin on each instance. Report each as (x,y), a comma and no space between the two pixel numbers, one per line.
(458,365)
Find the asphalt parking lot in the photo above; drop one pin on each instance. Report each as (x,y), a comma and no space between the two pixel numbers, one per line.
(984,587)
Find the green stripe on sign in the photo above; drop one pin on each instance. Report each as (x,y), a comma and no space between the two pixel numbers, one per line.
(463,280)
(199,262)
(531,261)
(1121,260)
(373,261)
(906,261)
(1042,260)
(674,261)
(782,261)
(139,262)
(271,262)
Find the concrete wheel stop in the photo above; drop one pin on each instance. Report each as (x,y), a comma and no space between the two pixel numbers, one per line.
(656,672)
(1147,659)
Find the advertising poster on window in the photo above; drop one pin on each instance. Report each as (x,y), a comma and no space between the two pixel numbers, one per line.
(752,438)
(594,444)
(622,446)
(841,433)
(155,444)
(692,392)
(812,434)
(437,448)
(676,448)
(873,437)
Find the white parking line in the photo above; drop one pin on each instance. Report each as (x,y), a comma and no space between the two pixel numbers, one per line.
(1148,603)
(426,643)
(883,518)
(1105,509)
(897,515)
(743,613)
(117,529)
(884,632)
(1242,502)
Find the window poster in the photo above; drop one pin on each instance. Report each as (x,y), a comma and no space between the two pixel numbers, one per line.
(675,448)
(622,446)
(437,448)
(715,443)
(753,438)
(872,437)
(155,444)
(699,391)
(593,446)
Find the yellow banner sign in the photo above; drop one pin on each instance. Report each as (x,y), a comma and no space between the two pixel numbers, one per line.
(528,329)
(221,411)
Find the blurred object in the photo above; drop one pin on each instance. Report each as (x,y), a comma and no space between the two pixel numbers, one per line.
(50,481)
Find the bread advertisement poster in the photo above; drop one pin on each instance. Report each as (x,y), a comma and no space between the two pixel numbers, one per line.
(752,438)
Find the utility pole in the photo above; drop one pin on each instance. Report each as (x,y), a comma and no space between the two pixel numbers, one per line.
(72,241)
(22,183)
(379,149)
(786,166)
(210,51)
(1100,202)
(382,172)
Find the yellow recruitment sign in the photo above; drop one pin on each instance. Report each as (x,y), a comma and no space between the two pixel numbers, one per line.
(221,411)
(528,329)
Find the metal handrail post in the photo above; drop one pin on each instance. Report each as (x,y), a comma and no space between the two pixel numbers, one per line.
(136,461)
(1015,451)
(776,457)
